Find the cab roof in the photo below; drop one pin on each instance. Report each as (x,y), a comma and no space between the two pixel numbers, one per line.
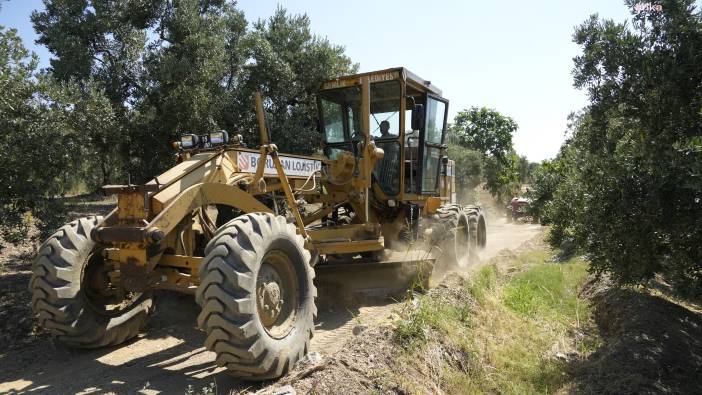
(397,73)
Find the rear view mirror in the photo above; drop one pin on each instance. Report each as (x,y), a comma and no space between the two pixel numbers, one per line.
(417,116)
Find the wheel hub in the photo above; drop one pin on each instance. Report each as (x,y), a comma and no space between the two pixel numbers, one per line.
(103,290)
(270,302)
(277,294)
(269,295)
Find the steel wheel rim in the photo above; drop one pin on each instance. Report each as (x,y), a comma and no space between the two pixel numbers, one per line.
(277,294)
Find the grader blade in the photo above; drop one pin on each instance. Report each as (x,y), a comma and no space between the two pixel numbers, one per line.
(362,280)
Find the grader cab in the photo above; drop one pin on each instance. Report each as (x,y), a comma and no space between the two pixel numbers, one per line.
(246,230)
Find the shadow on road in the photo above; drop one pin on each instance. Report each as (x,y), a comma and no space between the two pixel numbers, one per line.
(168,358)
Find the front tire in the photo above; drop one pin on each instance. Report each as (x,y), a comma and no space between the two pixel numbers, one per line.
(67,296)
(257,296)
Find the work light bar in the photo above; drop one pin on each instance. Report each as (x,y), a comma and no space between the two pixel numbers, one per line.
(212,139)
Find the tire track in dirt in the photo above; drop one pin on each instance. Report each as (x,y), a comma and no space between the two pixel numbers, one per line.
(335,328)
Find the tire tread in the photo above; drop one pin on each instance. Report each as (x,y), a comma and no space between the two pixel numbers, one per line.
(227,297)
(56,298)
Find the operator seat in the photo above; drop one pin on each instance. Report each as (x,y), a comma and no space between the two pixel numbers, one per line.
(387,170)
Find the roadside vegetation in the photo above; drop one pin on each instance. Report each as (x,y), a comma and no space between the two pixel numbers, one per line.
(625,190)
(524,322)
(626,187)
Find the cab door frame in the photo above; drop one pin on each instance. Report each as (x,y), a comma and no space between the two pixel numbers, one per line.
(427,145)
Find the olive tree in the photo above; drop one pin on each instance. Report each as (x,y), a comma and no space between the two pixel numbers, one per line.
(631,195)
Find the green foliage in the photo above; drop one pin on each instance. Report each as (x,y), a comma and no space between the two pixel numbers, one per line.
(289,64)
(488,133)
(518,323)
(187,80)
(502,176)
(546,179)
(514,337)
(630,182)
(526,169)
(483,281)
(93,118)
(468,167)
(484,130)
(37,148)
(93,39)
(523,164)
(169,67)
(531,169)
(529,315)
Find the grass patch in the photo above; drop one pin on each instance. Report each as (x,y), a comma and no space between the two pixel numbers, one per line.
(483,281)
(428,314)
(548,291)
(518,337)
(525,326)
(527,259)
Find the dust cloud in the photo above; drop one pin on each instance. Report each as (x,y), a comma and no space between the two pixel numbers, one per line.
(501,235)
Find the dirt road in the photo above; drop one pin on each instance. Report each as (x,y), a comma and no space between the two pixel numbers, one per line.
(170,356)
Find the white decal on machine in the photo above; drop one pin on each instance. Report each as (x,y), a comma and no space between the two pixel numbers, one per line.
(248,161)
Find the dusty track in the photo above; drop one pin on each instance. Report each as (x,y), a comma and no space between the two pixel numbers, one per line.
(170,355)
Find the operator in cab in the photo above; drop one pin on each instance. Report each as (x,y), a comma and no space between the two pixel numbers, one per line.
(385,131)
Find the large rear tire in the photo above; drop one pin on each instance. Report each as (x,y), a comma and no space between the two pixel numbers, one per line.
(451,232)
(478,230)
(257,296)
(68,286)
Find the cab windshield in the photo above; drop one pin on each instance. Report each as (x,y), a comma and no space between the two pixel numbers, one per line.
(340,112)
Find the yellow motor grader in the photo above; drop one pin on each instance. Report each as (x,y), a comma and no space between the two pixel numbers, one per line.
(245,230)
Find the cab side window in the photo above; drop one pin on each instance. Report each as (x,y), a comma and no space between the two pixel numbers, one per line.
(433,134)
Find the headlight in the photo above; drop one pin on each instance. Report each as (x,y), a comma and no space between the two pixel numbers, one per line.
(205,141)
(188,141)
(219,137)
